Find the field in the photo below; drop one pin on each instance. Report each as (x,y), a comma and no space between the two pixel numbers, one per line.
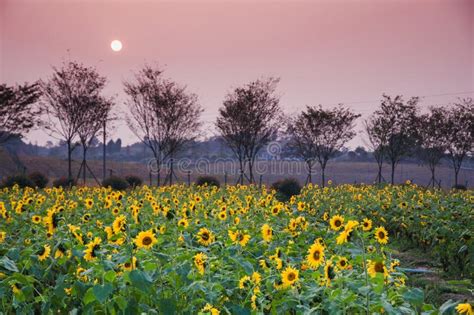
(340,172)
(237,250)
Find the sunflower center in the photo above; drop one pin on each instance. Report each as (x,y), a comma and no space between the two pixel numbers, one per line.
(205,236)
(316,255)
(146,240)
(291,276)
(343,263)
(337,223)
(379,267)
(381,235)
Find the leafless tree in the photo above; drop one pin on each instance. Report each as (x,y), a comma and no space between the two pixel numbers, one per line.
(249,119)
(459,135)
(67,97)
(18,113)
(163,115)
(432,145)
(400,138)
(328,130)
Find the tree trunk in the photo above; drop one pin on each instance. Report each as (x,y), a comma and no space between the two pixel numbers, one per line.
(456,173)
(69,166)
(251,171)
(392,179)
(433,178)
(84,164)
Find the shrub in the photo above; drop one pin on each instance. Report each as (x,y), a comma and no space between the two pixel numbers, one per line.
(64,182)
(20,180)
(286,188)
(133,180)
(208,181)
(460,187)
(39,179)
(117,183)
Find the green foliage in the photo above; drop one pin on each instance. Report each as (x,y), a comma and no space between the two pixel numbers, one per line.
(133,180)
(287,188)
(115,182)
(39,179)
(207,181)
(21,180)
(64,182)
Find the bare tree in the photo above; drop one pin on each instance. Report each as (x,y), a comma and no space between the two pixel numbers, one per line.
(249,119)
(400,138)
(329,130)
(432,146)
(17,111)
(163,115)
(97,109)
(459,135)
(377,134)
(67,96)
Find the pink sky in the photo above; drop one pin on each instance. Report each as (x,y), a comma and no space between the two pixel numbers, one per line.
(325,52)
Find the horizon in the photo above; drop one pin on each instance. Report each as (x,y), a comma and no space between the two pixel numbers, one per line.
(325,52)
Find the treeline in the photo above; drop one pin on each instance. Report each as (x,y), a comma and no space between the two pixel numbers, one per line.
(71,106)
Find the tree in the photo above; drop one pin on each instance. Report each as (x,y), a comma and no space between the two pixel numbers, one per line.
(459,135)
(163,115)
(248,120)
(432,129)
(328,131)
(68,96)
(377,133)
(97,113)
(395,124)
(17,111)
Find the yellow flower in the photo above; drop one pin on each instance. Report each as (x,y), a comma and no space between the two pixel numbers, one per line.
(2,236)
(336,222)
(119,224)
(375,267)
(289,276)
(91,248)
(222,215)
(200,262)
(130,266)
(205,237)
(342,263)
(381,235)
(36,219)
(145,239)
(89,203)
(209,308)
(267,233)
(44,253)
(464,308)
(256,277)
(315,255)
(243,282)
(239,237)
(183,222)
(329,273)
(366,224)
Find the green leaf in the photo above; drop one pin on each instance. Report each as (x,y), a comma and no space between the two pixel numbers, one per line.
(447,307)
(140,280)
(110,276)
(167,306)
(414,296)
(89,297)
(8,264)
(102,292)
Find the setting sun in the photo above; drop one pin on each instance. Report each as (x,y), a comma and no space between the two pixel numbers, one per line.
(116,45)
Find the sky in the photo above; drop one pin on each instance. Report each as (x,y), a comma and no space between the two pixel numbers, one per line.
(325,51)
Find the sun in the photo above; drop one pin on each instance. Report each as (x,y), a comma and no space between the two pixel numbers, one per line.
(116,45)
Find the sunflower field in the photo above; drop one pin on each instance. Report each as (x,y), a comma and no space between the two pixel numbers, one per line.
(233,250)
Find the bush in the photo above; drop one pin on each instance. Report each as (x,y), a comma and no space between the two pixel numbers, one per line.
(117,183)
(460,187)
(133,180)
(64,182)
(20,180)
(208,181)
(39,179)
(286,188)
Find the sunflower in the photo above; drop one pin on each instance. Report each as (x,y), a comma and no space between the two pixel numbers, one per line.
(200,262)
(86,218)
(239,237)
(336,222)
(145,239)
(222,215)
(375,267)
(210,309)
(275,210)
(44,252)
(381,235)
(289,276)
(115,211)
(89,203)
(464,308)
(119,224)
(315,255)
(329,272)
(342,263)
(205,237)
(91,248)
(342,238)
(36,219)
(2,236)
(366,224)
(128,266)
(183,223)
(301,206)
(267,233)
(244,281)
